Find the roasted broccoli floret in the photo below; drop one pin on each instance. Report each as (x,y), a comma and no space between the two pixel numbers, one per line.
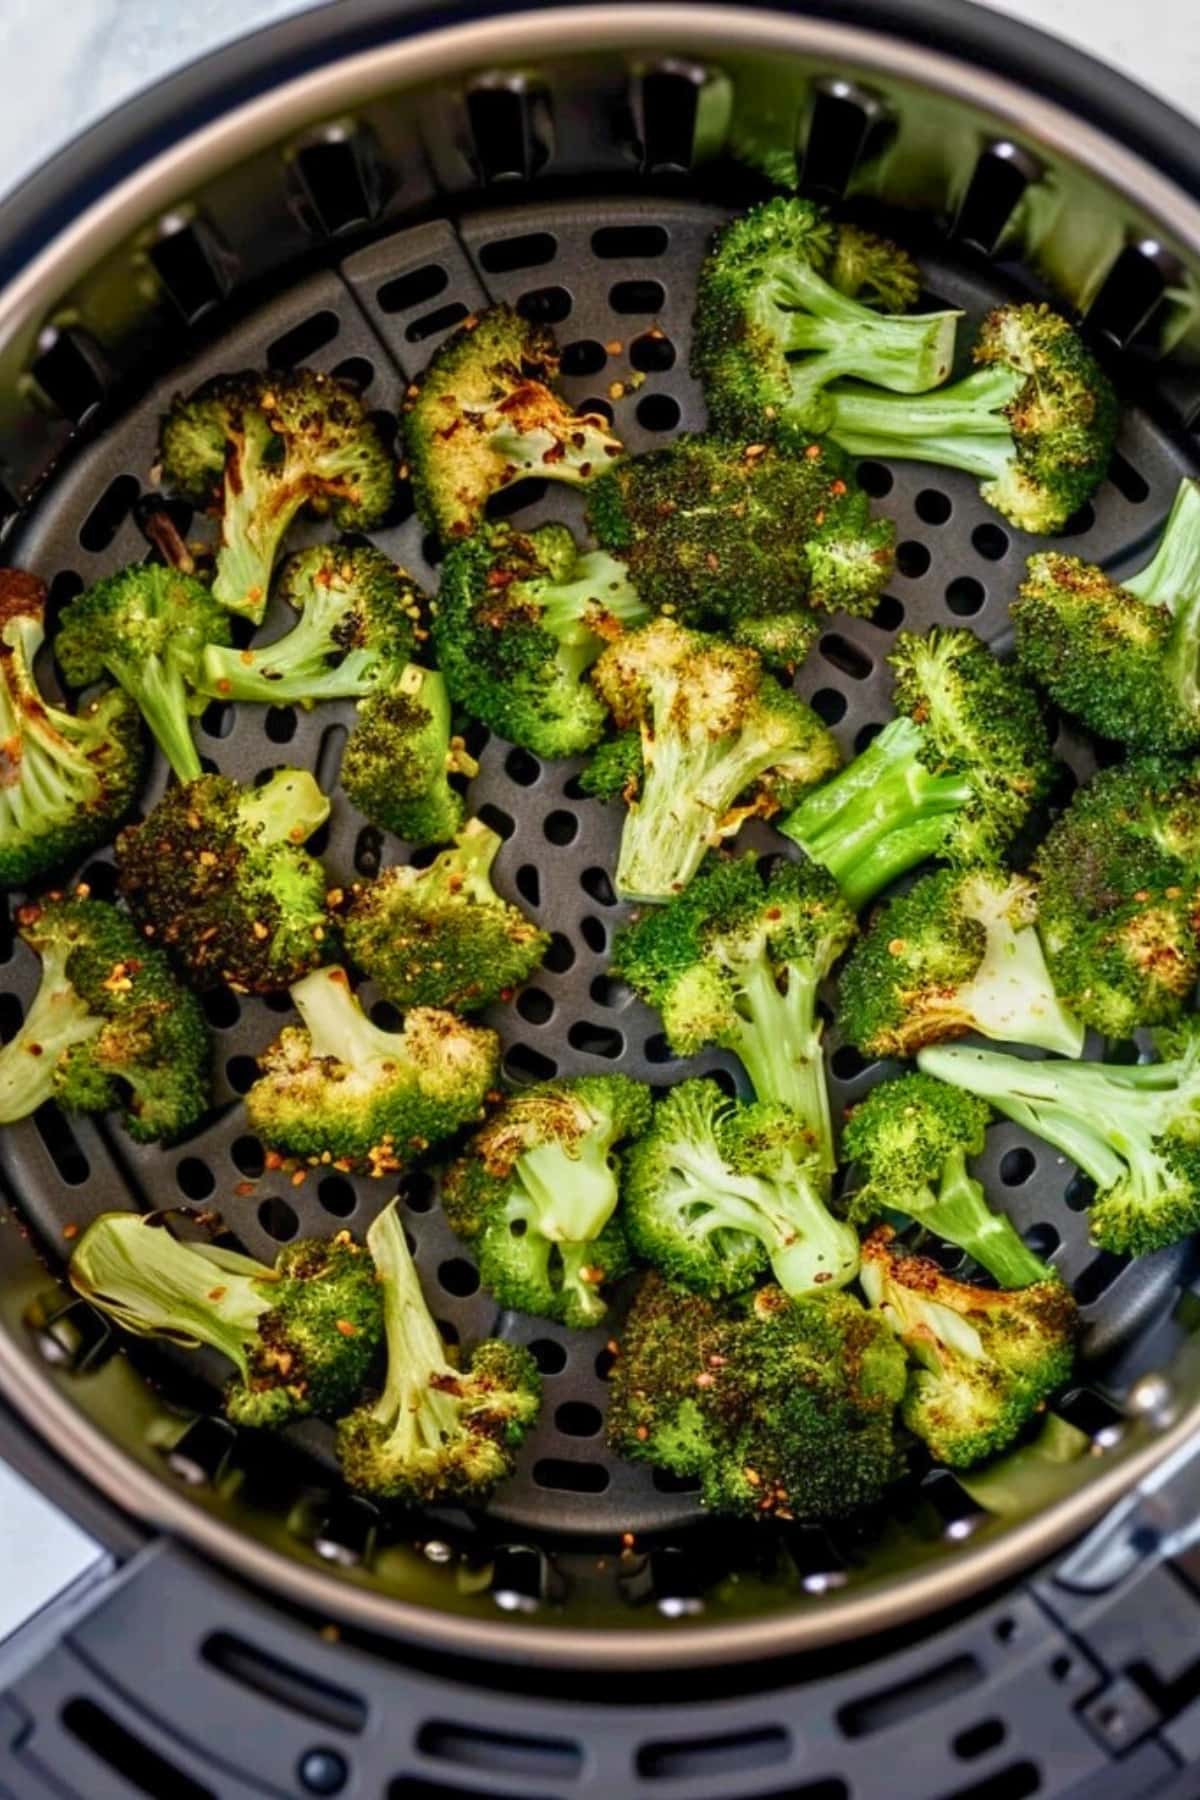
(1119,895)
(1133,1129)
(536,1189)
(783,1408)
(338,1088)
(715,1191)
(745,537)
(737,961)
(354,634)
(301,1335)
(440,1430)
(721,742)
(985,1359)
(958,952)
(66,778)
(219,875)
(910,1140)
(486,413)
(257,448)
(772,330)
(146,627)
(442,936)
(954,775)
(109,1029)
(521,616)
(1036,421)
(399,758)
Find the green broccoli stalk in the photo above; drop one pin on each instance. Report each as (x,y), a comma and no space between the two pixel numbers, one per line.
(738,961)
(910,1140)
(301,1336)
(958,952)
(340,1089)
(1132,1128)
(257,448)
(721,742)
(772,331)
(536,1190)
(355,632)
(1036,422)
(954,775)
(442,936)
(66,778)
(986,1360)
(400,756)
(439,1431)
(714,1191)
(146,627)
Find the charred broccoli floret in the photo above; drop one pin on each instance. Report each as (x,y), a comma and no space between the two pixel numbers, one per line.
(985,1359)
(536,1190)
(486,413)
(910,1140)
(1036,421)
(338,1088)
(783,1408)
(521,616)
(146,627)
(219,874)
(1133,1129)
(958,952)
(258,447)
(955,774)
(66,778)
(440,1430)
(354,634)
(442,936)
(772,330)
(301,1335)
(399,758)
(109,1029)
(715,1191)
(737,961)
(721,742)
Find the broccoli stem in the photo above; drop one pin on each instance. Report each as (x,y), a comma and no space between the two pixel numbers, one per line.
(879,817)
(960,1214)
(287,808)
(808,1248)
(421,1415)
(294,670)
(1012,996)
(779,1043)
(1172,579)
(466,868)
(158,687)
(961,427)
(336,1024)
(568,1199)
(58,1019)
(591,1306)
(843,337)
(599,589)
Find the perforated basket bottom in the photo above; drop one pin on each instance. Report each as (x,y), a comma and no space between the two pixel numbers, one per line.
(616,281)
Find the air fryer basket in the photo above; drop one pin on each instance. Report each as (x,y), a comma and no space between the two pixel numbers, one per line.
(348,219)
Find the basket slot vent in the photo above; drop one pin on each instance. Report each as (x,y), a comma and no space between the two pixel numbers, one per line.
(1016,1782)
(339,178)
(977,1740)
(998,182)
(60,1141)
(676,1759)
(195,269)
(71,372)
(529,251)
(511,128)
(420,1787)
(109,513)
(128,1756)
(290,1687)
(537,1758)
(847,125)
(303,341)
(1131,293)
(876,1712)
(560,1473)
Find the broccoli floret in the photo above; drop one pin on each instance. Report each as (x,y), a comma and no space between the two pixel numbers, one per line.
(1036,422)
(772,331)
(399,758)
(340,1089)
(520,618)
(737,961)
(958,952)
(714,1191)
(745,537)
(985,1359)
(954,775)
(256,448)
(301,1335)
(1119,895)
(1133,1129)
(440,1430)
(536,1189)
(109,1029)
(486,413)
(66,778)
(146,627)
(442,936)
(783,1408)
(910,1140)
(218,873)
(721,742)
(615,770)
(354,634)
